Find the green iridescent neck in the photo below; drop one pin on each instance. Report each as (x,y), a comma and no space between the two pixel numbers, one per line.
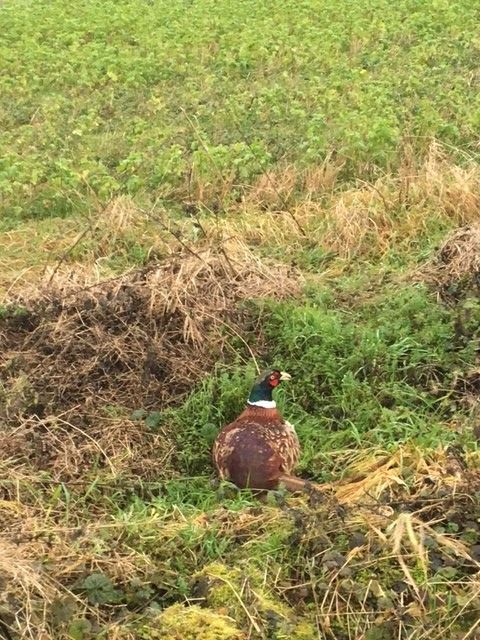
(261,392)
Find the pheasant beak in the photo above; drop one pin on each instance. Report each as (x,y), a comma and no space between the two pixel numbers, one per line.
(285,376)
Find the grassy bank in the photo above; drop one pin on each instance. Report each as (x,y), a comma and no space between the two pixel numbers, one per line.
(192,190)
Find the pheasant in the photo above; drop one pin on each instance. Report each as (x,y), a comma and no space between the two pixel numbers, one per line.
(260,449)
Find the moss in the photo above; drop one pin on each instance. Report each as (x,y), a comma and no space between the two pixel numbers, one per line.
(226,584)
(190,623)
(18,396)
(304,630)
(241,589)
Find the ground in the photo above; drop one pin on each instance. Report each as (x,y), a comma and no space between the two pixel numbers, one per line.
(191,191)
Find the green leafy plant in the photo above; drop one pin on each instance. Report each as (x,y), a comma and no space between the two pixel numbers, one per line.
(99,589)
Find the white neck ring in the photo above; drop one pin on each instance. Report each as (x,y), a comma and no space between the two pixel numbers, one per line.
(265,404)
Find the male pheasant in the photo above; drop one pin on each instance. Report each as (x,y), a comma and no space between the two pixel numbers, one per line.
(259,449)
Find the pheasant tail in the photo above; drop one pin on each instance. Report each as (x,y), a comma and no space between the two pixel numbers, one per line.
(296,485)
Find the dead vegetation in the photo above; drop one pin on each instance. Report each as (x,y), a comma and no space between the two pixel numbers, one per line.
(396,546)
(454,270)
(76,361)
(290,210)
(370,218)
(393,550)
(280,187)
(285,212)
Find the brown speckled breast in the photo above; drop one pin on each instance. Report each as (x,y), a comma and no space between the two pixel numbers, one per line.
(256,449)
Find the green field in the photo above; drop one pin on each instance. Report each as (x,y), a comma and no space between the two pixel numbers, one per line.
(190,190)
(101,99)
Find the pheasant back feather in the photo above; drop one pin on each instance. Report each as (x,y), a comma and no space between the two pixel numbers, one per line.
(257,448)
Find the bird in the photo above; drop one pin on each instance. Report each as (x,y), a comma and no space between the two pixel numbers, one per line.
(260,449)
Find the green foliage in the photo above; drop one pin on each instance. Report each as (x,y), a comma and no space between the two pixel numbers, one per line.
(379,374)
(217,400)
(234,559)
(12,312)
(188,623)
(100,98)
(79,629)
(99,589)
(172,101)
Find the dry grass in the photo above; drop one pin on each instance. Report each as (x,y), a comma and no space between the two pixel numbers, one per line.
(93,246)
(400,208)
(87,350)
(383,474)
(27,591)
(399,506)
(141,340)
(453,189)
(274,189)
(287,211)
(102,442)
(290,211)
(454,269)
(40,571)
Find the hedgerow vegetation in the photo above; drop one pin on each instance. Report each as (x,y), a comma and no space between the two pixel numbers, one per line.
(192,190)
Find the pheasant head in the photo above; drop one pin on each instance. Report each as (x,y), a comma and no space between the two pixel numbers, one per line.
(261,393)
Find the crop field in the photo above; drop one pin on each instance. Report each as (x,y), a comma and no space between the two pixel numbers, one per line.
(195,190)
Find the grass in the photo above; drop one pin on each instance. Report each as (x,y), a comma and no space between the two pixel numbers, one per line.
(176,101)
(191,191)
